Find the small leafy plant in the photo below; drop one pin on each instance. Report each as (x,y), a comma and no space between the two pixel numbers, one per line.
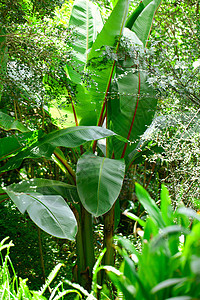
(168,266)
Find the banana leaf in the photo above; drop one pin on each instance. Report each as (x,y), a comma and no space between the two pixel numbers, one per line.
(8,123)
(49,212)
(141,19)
(99,181)
(100,65)
(70,138)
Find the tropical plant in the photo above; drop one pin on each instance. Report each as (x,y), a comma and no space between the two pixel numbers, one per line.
(104,86)
(167,265)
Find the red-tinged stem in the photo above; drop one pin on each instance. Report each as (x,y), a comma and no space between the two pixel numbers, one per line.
(107,90)
(74,112)
(66,165)
(75,118)
(131,127)
(101,118)
(1,194)
(113,155)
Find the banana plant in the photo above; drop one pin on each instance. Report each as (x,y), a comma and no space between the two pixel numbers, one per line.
(110,99)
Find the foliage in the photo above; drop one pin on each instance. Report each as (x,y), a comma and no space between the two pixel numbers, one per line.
(167,265)
(20,10)
(87,86)
(177,78)
(91,76)
(12,287)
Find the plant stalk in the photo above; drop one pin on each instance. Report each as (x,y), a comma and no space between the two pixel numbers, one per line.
(41,253)
(80,266)
(109,219)
(88,246)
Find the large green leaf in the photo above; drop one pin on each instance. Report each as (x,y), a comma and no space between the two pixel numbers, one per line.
(133,109)
(100,65)
(8,123)
(75,136)
(46,187)
(166,207)
(99,181)
(70,137)
(86,21)
(51,213)
(100,69)
(15,143)
(141,20)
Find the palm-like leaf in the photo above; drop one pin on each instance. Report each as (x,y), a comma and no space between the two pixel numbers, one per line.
(101,66)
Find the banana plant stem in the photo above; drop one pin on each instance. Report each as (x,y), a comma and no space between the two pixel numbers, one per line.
(66,165)
(41,254)
(81,266)
(87,232)
(108,258)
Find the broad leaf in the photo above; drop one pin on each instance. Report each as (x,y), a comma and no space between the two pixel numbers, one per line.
(13,144)
(86,21)
(101,60)
(133,109)
(8,123)
(166,208)
(168,283)
(141,20)
(160,239)
(189,212)
(50,213)
(75,136)
(99,181)
(46,187)
(70,137)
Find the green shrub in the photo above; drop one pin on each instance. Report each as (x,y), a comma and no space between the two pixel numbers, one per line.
(168,265)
